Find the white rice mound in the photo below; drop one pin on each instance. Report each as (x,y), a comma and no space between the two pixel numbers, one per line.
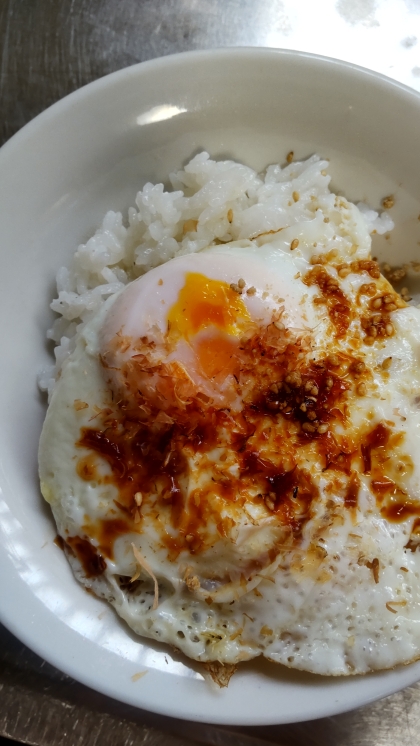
(212,202)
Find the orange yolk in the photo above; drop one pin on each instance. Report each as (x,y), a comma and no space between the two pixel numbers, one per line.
(202,303)
(205,304)
(209,304)
(217,355)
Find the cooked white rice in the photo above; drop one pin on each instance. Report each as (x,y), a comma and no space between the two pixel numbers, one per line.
(195,215)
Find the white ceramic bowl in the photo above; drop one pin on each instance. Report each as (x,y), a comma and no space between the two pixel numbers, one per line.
(91,152)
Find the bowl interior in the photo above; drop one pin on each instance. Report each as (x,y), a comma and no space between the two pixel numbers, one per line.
(92,152)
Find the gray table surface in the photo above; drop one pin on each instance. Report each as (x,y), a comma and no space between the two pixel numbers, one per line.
(48,48)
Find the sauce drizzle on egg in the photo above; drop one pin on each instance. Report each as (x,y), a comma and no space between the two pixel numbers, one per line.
(201,468)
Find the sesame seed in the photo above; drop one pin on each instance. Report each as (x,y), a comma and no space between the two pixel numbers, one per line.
(294,378)
(235,288)
(377,303)
(251,291)
(279,325)
(359,367)
(241,283)
(334,361)
(230,215)
(361,389)
(323,429)
(390,307)
(311,415)
(294,244)
(303,407)
(138,498)
(290,156)
(295,196)
(386,364)
(308,428)
(269,502)
(344,272)
(389,330)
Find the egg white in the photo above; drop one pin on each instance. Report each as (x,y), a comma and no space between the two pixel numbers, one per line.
(318,606)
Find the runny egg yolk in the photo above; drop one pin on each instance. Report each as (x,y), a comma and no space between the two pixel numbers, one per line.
(203,302)
(216,355)
(210,316)
(178,332)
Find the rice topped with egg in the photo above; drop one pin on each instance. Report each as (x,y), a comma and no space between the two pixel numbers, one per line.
(229,450)
(212,202)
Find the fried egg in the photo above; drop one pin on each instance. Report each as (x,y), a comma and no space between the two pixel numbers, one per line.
(230,452)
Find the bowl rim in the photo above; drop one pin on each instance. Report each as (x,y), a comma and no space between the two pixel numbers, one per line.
(202,54)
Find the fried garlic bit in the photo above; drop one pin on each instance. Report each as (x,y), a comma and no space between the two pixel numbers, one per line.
(145,565)
(219,672)
(388,202)
(191,581)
